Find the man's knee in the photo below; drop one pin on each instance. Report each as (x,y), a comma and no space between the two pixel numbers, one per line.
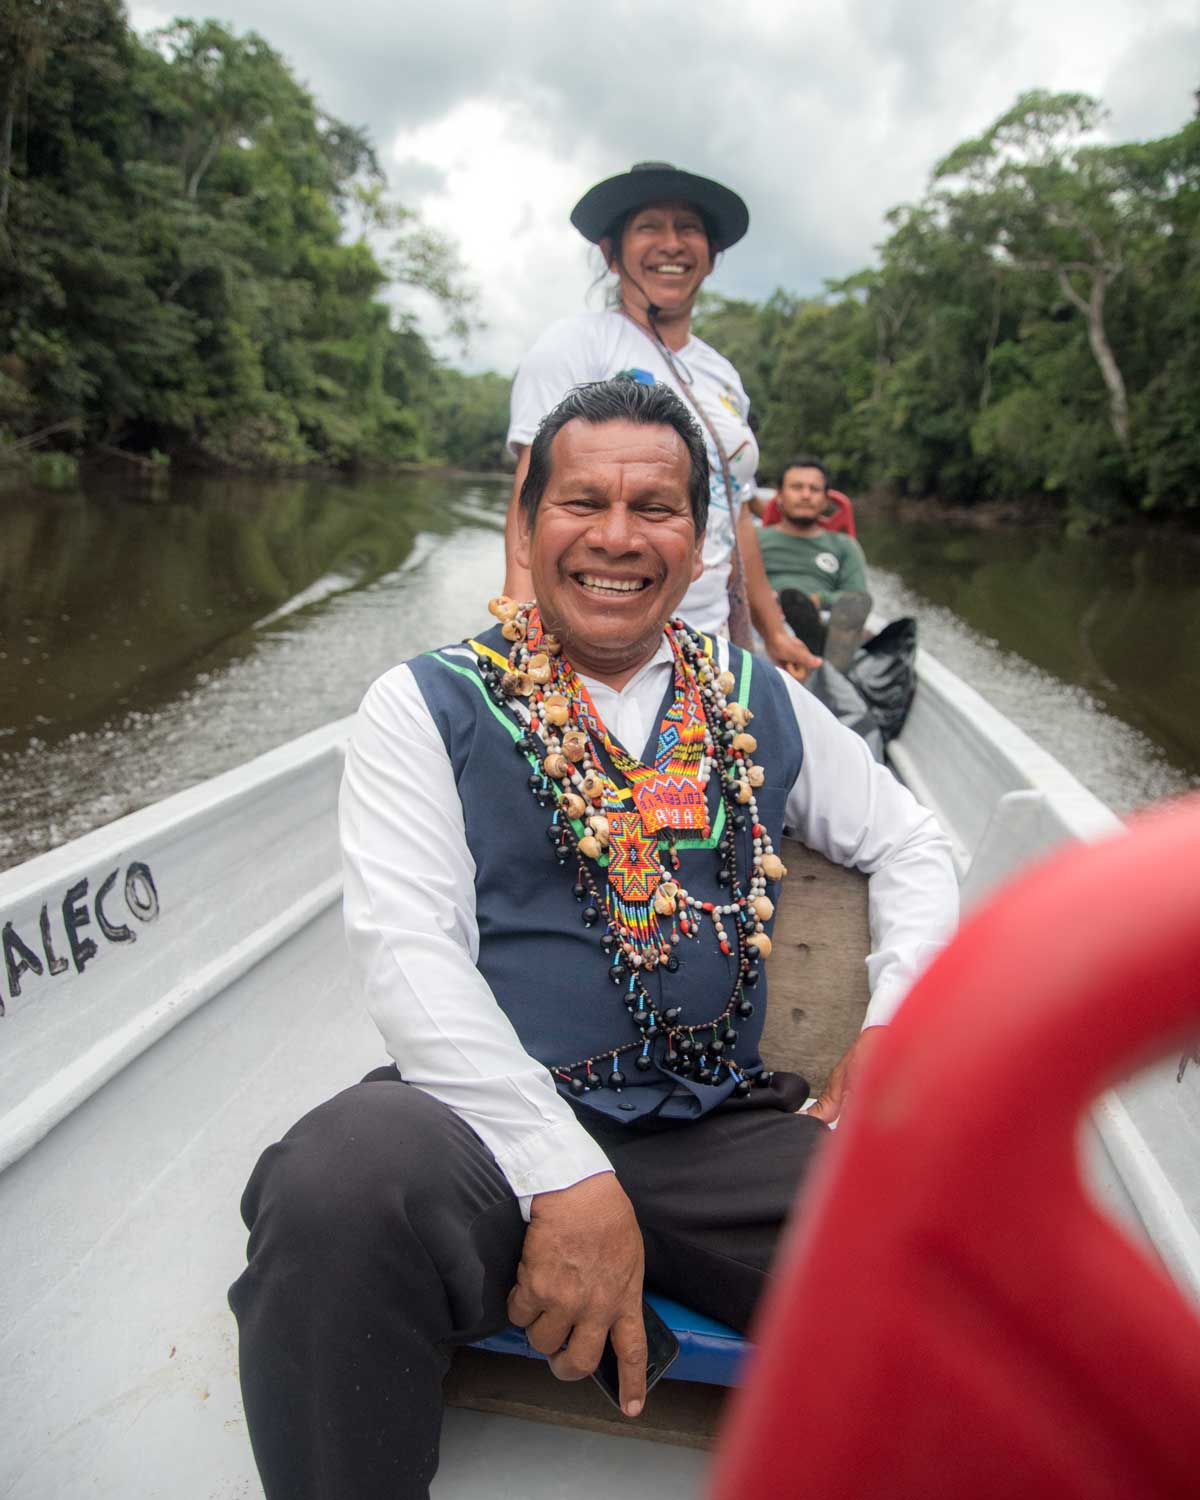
(379,1165)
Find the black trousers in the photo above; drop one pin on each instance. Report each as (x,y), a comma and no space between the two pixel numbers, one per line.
(383,1234)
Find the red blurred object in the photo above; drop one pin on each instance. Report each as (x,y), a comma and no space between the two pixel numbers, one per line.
(840,518)
(952,1316)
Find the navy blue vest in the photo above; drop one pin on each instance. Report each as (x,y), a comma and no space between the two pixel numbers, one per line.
(546,968)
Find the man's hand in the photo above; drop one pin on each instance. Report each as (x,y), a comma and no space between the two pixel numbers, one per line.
(790,653)
(580,1276)
(846,1073)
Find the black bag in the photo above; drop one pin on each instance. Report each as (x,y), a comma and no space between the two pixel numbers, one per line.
(847,704)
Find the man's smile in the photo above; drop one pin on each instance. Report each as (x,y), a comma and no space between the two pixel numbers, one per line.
(596,584)
(613,544)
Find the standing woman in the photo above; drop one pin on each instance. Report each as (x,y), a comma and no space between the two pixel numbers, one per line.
(659,230)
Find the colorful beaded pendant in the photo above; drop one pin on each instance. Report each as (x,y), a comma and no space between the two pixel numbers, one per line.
(617,819)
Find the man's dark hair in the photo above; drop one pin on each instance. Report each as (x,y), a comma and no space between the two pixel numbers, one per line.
(804,462)
(622,399)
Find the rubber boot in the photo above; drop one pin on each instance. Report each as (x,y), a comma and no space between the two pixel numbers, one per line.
(844,633)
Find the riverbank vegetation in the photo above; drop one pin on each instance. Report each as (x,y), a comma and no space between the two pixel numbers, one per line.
(175,276)
(187,273)
(1032,330)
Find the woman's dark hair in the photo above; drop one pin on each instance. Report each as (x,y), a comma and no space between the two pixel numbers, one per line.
(622,399)
(804,462)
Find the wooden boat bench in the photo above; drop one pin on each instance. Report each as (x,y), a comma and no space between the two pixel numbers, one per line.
(818,997)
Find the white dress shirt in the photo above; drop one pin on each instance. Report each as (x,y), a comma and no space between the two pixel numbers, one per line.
(410,904)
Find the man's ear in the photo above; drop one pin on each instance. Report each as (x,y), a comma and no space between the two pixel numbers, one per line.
(698,558)
(606,249)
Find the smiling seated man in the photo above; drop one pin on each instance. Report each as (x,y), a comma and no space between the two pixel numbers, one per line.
(820,575)
(560,873)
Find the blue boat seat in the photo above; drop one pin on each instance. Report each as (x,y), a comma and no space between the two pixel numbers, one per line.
(709,1352)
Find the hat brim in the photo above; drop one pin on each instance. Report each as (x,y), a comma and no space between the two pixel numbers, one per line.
(600,207)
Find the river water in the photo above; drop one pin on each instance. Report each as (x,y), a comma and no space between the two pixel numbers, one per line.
(152,636)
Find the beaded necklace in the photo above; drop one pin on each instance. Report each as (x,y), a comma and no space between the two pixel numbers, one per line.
(616,819)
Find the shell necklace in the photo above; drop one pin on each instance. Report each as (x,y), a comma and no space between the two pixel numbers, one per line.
(618,818)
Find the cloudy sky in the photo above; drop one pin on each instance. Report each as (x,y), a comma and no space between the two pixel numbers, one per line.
(493,118)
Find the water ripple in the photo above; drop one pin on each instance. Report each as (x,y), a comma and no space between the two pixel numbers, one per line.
(313,662)
(1115,761)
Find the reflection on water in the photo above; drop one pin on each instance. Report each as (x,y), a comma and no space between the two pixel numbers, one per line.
(151,643)
(1118,616)
(207,629)
(110,600)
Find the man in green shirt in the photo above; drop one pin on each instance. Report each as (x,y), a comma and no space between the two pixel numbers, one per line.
(813,570)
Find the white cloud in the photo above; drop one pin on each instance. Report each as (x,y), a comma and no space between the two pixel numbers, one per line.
(144,18)
(503,195)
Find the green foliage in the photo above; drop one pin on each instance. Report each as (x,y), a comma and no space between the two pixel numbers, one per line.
(174,270)
(178,276)
(470,415)
(1032,329)
(1167,428)
(54,471)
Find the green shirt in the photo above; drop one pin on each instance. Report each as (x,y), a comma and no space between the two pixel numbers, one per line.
(829,564)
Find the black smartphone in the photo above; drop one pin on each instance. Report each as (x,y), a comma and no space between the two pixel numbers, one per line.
(661,1348)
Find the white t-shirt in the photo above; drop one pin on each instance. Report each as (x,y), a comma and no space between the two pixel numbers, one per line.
(597,346)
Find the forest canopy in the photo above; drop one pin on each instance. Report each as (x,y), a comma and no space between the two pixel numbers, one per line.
(1032,329)
(178,274)
(174,269)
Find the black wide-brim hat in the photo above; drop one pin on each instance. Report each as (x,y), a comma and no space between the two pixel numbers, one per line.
(598,211)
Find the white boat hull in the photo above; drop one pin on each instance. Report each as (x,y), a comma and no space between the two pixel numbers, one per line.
(139,1091)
